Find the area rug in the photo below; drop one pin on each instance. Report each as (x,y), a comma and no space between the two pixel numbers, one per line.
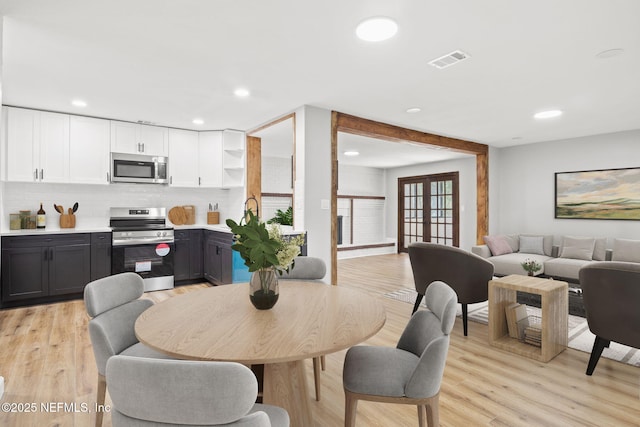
(580,338)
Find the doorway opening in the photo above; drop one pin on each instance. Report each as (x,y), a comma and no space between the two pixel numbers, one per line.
(428,210)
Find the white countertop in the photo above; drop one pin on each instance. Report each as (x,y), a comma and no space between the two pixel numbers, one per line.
(286,229)
(96,229)
(55,230)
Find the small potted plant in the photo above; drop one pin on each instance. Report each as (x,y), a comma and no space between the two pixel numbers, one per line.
(282,217)
(531,266)
(266,252)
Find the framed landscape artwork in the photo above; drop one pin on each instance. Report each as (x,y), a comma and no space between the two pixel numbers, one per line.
(598,194)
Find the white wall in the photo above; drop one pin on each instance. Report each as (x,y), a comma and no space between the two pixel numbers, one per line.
(361,181)
(313,180)
(368,215)
(467,187)
(95,200)
(526,181)
(276,175)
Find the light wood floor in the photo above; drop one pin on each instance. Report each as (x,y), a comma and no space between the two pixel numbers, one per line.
(46,356)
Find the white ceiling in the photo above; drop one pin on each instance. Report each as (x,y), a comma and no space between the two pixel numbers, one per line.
(169,62)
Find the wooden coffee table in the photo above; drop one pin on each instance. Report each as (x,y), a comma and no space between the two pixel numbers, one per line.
(219,323)
(554,305)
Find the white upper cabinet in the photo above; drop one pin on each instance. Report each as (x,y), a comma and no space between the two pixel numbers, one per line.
(233,158)
(37,146)
(89,148)
(210,159)
(183,158)
(135,138)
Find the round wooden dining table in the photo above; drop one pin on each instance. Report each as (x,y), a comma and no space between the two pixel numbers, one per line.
(219,323)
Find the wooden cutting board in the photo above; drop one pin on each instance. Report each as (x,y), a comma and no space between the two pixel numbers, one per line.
(190,212)
(177,215)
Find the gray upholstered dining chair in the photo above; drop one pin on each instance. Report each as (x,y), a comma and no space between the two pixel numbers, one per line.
(309,268)
(113,304)
(611,295)
(412,372)
(157,392)
(468,274)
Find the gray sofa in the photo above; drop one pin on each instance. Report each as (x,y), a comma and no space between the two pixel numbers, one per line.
(561,261)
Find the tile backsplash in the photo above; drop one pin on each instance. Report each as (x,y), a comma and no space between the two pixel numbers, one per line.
(95,200)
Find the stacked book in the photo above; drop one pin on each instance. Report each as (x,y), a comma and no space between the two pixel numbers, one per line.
(517,320)
(533,335)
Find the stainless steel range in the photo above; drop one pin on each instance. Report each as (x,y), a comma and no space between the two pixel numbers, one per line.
(143,243)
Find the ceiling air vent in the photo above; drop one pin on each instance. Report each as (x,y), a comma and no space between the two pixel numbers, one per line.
(146,122)
(449,59)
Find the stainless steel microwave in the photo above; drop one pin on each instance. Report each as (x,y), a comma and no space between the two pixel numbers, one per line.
(139,168)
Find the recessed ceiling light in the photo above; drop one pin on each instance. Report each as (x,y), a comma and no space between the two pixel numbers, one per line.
(547,114)
(376,29)
(610,53)
(351,153)
(198,121)
(413,110)
(242,92)
(78,103)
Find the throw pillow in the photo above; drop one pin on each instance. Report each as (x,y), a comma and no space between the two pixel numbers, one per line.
(531,245)
(600,249)
(577,248)
(498,245)
(626,250)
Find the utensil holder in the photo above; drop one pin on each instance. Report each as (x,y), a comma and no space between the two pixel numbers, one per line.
(67,221)
(213,217)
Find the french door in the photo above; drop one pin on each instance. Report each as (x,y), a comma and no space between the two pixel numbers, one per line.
(428,210)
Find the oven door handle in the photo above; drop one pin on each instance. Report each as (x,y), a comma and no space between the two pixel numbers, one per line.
(131,242)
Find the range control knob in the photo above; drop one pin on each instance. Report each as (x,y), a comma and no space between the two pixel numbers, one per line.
(164,233)
(158,234)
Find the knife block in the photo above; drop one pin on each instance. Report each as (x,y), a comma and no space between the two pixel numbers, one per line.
(67,221)
(213,217)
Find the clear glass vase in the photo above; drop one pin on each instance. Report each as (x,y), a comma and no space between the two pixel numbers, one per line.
(263,288)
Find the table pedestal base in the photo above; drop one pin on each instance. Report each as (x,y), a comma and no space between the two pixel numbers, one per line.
(285,385)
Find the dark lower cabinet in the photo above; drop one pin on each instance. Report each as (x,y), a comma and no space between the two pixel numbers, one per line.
(100,255)
(181,255)
(188,255)
(217,256)
(196,270)
(41,266)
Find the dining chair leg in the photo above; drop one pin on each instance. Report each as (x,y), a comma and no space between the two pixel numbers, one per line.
(422,416)
(417,303)
(433,411)
(323,362)
(464,318)
(316,376)
(350,408)
(102,390)
(599,345)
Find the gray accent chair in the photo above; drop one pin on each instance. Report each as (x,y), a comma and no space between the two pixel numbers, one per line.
(156,392)
(412,372)
(611,295)
(468,274)
(309,268)
(113,304)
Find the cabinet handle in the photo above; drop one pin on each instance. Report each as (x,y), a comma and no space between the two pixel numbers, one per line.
(108,177)
(45,255)
(199,181)
(41,174)
(35,175)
